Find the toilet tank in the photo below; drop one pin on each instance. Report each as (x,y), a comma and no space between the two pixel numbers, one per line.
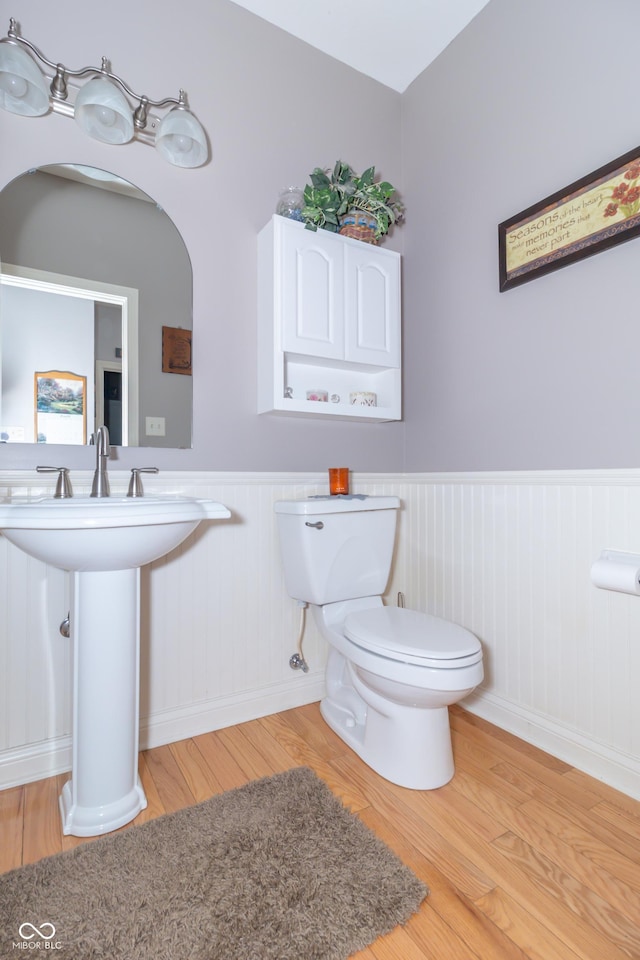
(335,548)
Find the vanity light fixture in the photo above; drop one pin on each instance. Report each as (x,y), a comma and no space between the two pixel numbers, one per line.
(101,108)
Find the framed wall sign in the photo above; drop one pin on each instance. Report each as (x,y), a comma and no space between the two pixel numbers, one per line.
(176,350)
(60,408)
(590,215)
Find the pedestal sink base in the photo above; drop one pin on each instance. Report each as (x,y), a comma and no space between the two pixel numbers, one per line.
(104,791)
(90,821)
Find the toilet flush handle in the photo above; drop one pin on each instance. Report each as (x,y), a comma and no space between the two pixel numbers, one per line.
(318,526)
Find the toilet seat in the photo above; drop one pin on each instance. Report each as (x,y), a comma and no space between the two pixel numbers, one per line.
(409,636)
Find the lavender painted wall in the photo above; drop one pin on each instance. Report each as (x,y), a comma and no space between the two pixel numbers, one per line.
(274,108)
(529,98)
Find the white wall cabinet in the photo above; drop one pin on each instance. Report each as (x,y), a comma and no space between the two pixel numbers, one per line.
(329,322)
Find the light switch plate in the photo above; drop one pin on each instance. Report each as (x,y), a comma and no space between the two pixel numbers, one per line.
(154,426)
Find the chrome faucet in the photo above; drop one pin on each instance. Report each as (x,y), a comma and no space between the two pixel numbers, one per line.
(100,485)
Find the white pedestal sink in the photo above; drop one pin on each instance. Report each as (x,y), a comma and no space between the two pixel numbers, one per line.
(104,542)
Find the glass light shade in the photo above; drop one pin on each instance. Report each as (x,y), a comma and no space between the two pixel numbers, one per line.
(23,89)
(181,140)
(102,111)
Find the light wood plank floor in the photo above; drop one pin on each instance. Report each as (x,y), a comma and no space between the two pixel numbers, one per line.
(525,857)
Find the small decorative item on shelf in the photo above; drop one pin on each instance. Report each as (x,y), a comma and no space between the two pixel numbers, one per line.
(363,398)
(321,395)
(356,206)
(290,203)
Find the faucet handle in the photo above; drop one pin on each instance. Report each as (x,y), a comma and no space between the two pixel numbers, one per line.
(135,484)
(63,485)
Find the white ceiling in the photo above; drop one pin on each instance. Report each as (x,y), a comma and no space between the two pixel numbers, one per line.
(390,40)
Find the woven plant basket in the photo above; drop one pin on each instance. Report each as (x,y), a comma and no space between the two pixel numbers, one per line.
(358,226)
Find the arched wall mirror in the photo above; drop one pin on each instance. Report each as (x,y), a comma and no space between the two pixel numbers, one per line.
(94,277)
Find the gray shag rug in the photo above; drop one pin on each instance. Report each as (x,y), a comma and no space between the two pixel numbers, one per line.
(275,870)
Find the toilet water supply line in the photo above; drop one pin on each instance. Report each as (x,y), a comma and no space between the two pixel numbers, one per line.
(297,660)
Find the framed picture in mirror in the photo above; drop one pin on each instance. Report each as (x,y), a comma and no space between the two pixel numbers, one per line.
(176,350)
(60,407)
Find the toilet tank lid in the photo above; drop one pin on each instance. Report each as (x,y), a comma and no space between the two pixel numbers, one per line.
(328,504)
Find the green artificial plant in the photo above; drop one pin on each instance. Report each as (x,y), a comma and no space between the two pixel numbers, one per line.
(330,196)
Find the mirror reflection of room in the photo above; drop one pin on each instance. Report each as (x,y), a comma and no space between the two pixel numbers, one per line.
(92,269)
(44,330)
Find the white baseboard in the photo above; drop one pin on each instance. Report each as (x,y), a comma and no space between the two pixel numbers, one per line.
(618,770)
(49,758)
(196,718)
(26,764)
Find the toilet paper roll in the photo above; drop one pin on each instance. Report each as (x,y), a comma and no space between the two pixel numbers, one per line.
(615,570)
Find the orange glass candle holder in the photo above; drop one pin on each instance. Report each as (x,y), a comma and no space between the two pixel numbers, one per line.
(338,480)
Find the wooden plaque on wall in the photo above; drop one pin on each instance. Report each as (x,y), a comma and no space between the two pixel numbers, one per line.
(176,350)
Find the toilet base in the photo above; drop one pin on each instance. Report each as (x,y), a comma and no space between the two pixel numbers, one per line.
(409,746)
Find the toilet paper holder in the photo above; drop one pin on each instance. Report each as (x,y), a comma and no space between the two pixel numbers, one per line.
(617,570)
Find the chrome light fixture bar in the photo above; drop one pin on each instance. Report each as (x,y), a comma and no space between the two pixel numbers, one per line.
(101,106)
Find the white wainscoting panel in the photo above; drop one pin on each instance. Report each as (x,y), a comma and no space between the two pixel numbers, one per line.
(507,555)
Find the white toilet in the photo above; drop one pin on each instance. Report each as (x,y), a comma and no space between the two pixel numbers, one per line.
(391,672)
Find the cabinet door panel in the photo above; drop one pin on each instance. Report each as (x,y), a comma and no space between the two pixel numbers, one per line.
(312,296)
(372,307)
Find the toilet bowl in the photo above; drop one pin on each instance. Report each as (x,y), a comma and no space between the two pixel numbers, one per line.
(391,675)
(391,672)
